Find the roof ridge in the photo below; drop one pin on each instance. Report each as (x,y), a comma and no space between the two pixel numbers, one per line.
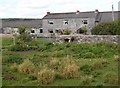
(70,12)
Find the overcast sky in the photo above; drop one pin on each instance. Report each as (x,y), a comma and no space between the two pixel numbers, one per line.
(38,8)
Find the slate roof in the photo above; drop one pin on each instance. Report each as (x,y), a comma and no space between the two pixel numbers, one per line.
(33,23)
(90,14)
(100,17)
(107,16)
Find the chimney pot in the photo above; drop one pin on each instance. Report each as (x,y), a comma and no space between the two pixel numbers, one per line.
(96,11)
(77,12)
(48,13)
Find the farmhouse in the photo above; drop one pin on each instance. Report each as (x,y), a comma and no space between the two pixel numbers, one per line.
(57,23)
(75,21)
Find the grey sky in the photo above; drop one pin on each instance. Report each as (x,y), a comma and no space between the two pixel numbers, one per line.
(38,8)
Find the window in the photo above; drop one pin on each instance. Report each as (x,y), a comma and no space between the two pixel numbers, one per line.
(85,22)
(66,22)
(56,31)
(50,22)
(32,31)
(41,30)
(50,31)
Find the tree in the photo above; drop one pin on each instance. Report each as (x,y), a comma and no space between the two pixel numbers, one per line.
(24,40)
(24,33)
(24,37)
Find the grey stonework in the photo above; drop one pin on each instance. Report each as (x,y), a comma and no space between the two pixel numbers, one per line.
(73,24)
(88,38)
(76,20)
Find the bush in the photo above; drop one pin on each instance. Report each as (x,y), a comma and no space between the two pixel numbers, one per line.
(69,69)
(54,63)
(27,67)
(66,32)
(82,30)
(112,28)
(46,76)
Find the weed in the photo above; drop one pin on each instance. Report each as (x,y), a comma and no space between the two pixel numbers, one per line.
(27,67)
(69,69)
(46,76)
(54,63)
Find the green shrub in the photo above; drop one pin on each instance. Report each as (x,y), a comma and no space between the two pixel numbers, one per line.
(46,76)
(66,32)
(82,30)
(27,67)
(112,28)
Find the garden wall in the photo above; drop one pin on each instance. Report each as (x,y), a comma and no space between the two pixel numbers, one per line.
(87,38)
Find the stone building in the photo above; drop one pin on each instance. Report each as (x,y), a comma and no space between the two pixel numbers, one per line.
(75,21)
(56,23)
(11,25)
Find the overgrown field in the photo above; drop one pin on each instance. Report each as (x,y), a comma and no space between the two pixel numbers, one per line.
(67,64)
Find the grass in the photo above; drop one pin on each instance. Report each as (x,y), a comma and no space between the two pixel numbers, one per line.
(7,41)
(86,55)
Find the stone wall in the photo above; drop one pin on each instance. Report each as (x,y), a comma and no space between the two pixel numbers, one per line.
(87,38)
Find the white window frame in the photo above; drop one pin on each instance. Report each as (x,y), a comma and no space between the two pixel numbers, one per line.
(65,22)
(85,21)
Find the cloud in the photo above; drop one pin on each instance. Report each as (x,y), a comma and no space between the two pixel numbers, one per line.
(38,8)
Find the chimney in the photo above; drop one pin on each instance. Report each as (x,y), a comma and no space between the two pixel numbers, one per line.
(77,12)
(48,13)
(96,11)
